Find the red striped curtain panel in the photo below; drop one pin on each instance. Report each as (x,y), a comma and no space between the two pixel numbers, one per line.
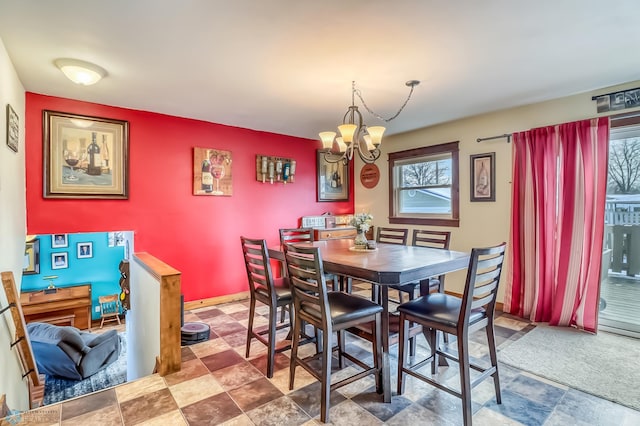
(557,224)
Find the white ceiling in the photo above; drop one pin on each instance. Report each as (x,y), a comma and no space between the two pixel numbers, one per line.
(286,66)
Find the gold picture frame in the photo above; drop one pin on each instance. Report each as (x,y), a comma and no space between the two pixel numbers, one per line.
(85,157)
(31,257)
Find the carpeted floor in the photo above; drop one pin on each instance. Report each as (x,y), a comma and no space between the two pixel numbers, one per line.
(605,365)
(58,389)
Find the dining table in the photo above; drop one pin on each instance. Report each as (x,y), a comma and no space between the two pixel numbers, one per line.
(384,265)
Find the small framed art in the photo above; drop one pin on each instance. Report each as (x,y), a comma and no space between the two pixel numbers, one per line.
(59,241)
(13,129)
(59,260)
(85,250)
(483,174)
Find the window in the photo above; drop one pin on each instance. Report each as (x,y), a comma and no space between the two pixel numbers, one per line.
(423,185)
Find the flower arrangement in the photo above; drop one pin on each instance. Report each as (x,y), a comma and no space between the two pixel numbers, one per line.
(361,221)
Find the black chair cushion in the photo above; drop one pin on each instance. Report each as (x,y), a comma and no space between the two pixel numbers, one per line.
(345,308)
(440,308)
(281,287)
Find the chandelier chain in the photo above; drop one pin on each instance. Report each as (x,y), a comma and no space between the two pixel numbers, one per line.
(378,116)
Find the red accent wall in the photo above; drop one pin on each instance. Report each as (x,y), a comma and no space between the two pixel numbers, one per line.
(198,235)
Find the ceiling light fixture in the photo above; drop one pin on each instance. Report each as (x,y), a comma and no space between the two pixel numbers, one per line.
(80,72)
(355,136)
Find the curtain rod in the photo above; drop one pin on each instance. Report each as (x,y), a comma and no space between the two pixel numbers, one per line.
(506,135)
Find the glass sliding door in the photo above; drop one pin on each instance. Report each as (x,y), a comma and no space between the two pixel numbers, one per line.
(620,282)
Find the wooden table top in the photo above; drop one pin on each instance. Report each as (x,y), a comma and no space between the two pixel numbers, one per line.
(388,264)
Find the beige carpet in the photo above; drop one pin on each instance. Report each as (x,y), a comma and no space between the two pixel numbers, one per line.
(606,365)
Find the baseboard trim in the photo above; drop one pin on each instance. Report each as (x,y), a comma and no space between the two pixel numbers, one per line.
(213,301)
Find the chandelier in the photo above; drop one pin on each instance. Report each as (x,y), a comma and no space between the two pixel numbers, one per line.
(355,136)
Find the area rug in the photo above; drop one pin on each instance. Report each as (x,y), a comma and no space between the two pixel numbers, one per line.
(605,365)
(57,389)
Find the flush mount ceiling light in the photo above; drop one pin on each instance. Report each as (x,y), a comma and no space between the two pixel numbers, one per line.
(80,72)
(355,136)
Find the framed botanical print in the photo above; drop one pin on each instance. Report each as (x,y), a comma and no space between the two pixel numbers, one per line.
(332,178)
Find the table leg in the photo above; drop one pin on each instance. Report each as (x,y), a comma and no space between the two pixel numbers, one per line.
(386,367)
(424,289)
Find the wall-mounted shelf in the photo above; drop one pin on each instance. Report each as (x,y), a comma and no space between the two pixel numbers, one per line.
(275,169)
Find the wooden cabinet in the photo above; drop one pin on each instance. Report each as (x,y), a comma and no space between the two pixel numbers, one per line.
(334,233)
(60,306)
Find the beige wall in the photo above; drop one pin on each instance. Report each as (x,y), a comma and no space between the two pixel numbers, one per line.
(12,227)
(481,223)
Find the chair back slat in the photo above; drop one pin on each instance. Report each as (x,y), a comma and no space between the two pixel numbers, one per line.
(257,265)
(433,239)
(296,235)
(483,277)
(307,281)
(392,235)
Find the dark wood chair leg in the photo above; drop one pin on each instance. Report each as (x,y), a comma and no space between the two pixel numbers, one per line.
(252,311)
(465,379)
(296,326)
(271,348)
(491,340)
(326,376)
(402,344)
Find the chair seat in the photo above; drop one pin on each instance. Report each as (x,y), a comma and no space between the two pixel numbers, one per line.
(440,308)
(281,287)
(345,308)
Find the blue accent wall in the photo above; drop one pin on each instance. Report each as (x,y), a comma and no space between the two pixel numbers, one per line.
(101,270)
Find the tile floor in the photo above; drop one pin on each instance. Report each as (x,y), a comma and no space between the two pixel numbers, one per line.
(217,385)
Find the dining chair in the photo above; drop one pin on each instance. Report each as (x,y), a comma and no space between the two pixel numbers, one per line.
(458,316)
(329,312)
(109,308)
(431,239)
(392,235)
(306,235)
(273,292)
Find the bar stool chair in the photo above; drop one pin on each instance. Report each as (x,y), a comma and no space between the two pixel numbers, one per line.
(328,311)
(274,293)
(432,239)
(439,312)
(306,235)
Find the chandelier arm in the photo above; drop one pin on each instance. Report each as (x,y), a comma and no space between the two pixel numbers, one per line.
(411,84)
(332,158)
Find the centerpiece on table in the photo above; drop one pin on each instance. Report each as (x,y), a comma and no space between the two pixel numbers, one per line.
(362,223)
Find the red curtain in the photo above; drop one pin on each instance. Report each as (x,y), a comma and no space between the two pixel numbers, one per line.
(557,225)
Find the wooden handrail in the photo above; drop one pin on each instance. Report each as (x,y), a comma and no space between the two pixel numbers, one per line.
(22,338)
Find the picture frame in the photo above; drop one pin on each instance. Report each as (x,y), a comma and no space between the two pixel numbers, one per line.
(332,178)
(212,172)
(84,156)
(59,241)
(84,250)
(13,129)
(31,257)
(483,177)
(59,260)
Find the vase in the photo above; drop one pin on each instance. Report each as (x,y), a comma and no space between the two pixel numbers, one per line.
(360,240)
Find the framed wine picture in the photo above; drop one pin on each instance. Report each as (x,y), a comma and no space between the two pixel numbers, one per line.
(212,172)
(85,157)
(332,177)
(483,177)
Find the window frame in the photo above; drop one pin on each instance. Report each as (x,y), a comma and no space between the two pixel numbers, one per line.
(451,148)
